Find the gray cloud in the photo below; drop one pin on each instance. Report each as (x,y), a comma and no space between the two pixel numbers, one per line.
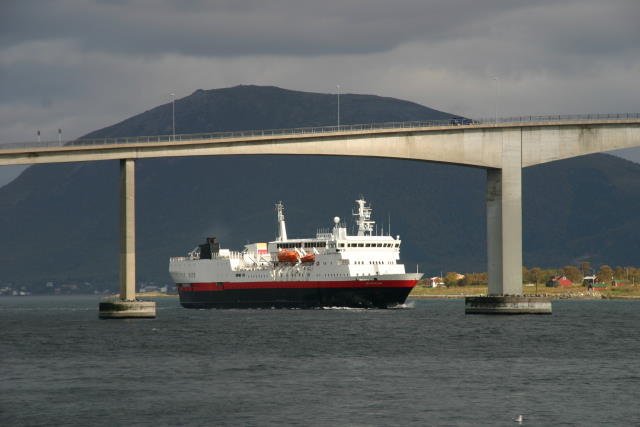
(246,27)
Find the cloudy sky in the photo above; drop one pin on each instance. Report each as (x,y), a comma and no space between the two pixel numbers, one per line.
(81,65)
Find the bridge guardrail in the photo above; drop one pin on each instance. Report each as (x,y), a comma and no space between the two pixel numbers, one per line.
(456,121)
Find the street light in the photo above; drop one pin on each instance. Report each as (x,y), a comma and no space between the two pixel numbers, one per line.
(497,80)
(60,136)
(338,86)
(173,114)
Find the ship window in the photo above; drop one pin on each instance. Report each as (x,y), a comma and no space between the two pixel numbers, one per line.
(341,245)
(379,245)
(397,245)
(360,245)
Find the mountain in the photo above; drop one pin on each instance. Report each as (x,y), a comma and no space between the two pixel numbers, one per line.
(60,221)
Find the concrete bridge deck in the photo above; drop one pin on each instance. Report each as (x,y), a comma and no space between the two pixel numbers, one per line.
(472,143)
(502,147)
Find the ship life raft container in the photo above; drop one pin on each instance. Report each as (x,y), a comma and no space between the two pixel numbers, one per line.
(288,256)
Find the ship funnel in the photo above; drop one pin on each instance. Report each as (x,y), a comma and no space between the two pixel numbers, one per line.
(282,228)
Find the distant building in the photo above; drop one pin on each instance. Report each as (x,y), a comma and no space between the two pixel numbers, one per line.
(435,281)
(561,281)
(591,282)
(149,288)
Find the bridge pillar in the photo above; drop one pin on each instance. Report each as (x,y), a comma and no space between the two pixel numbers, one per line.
(127,230)
(504,238)
(127,306)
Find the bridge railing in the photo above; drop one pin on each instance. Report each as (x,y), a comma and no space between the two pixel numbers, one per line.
(455,121)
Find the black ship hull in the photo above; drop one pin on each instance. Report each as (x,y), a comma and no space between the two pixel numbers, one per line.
(296,295)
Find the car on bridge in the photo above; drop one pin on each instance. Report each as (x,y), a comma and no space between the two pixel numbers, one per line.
(459,121)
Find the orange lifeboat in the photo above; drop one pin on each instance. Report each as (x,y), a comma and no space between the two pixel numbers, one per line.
(287,256)
(308,258)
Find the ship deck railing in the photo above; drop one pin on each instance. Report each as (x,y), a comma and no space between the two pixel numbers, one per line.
(229,255)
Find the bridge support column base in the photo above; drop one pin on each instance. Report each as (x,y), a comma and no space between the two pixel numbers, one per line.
(118,309)
(507,304)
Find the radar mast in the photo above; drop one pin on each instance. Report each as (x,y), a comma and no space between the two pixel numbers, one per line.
(363,218)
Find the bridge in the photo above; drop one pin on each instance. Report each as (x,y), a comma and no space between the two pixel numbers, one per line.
(503,147)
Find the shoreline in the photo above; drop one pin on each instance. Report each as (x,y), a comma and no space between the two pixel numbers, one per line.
(560,296)
(430,293)
(418,293)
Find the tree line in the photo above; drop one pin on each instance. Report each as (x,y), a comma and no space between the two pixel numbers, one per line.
(537,275)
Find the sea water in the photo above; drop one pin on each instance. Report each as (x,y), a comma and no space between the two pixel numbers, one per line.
(425,364)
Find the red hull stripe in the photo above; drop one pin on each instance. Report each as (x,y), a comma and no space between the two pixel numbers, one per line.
(219,286)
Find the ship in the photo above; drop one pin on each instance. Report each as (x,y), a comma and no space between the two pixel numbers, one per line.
(332,269)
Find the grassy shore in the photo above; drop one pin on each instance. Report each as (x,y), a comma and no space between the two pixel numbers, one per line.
(573,292)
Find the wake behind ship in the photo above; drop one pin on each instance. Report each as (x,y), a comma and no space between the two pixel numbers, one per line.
(332,269)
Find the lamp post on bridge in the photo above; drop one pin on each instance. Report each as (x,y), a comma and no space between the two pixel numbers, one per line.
(338,87)
(497,80)
(60,136)
(173,115)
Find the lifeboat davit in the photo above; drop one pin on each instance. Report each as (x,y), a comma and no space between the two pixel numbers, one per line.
(308,258)
(287,256)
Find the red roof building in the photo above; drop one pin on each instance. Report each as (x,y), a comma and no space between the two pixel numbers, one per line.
(559,281)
